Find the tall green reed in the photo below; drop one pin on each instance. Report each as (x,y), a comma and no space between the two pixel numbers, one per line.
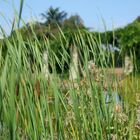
(33,107)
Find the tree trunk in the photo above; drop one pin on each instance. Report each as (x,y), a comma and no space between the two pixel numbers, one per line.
(73,72)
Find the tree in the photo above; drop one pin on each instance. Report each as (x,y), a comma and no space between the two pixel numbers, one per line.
(130,41)
(138,19)
(127,39)
(54,16)
(73,22)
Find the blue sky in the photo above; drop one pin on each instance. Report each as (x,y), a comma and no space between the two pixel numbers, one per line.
(116,13)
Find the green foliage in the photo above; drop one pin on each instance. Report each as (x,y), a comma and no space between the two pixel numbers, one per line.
(31,31)
(33,107)
(54,17)
(127,39)
(42,109)
(131,36)
(130,41)
(130,89)
(73,22)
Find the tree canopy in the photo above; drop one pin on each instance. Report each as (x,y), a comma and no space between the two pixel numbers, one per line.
(126,38)
(73,22)
(54,17)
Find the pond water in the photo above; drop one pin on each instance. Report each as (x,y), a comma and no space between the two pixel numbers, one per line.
(113,101)
(112,97)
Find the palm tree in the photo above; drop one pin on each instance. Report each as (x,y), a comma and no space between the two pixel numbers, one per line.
(53,16)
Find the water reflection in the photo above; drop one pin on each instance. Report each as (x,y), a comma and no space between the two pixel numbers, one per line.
(113,101)
(112,97)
